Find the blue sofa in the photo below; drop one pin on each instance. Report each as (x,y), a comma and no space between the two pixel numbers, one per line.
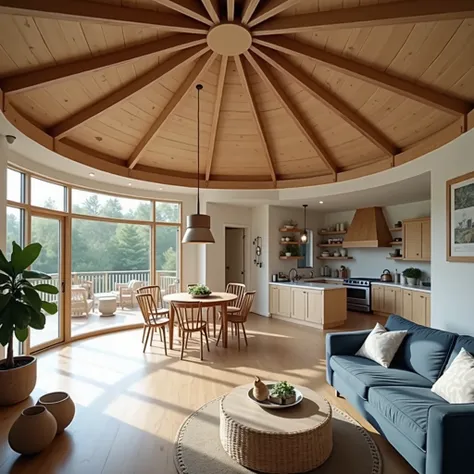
(432,435)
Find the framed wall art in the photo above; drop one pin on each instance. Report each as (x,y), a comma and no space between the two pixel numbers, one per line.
(460,219)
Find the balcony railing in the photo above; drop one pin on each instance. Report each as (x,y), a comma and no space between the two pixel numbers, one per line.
(105,282)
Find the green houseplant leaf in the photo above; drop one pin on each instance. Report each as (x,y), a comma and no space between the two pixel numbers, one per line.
(21,305)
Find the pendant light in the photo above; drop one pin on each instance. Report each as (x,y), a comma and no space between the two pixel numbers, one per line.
(198,226)
(304,235)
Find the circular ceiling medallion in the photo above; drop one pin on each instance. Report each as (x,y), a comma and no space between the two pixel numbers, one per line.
(229,39)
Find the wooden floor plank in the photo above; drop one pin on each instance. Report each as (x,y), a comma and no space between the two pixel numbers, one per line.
(130,405)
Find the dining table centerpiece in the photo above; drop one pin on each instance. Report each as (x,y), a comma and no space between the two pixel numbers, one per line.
(199,291)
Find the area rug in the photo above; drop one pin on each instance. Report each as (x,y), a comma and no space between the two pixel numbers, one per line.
(198,448)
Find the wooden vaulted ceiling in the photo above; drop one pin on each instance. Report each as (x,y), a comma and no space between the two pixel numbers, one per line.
(329,90)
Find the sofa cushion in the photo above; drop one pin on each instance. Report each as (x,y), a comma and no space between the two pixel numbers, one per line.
(462,341)
(424,350)
(407,408)
(362,373)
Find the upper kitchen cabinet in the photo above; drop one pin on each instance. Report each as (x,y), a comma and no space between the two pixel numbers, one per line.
(417,239)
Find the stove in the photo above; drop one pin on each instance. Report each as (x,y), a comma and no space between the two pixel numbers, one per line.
(359,294)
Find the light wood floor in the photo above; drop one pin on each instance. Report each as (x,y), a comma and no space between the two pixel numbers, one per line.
(130,405)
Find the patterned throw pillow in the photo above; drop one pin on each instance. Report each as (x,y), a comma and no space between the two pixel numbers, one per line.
(381,345)
(456,385)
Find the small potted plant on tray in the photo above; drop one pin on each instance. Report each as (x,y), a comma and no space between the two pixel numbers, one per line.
(199,291)
(282,393)
(412,275)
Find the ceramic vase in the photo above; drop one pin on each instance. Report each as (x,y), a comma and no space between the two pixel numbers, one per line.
(260,390)
(61,406)
(33,431)
(411,281)
(343,252)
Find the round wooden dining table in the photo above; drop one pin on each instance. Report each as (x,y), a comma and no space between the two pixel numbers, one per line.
(214,300)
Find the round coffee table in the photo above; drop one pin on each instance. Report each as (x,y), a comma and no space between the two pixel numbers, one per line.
(289,440)
(107,305)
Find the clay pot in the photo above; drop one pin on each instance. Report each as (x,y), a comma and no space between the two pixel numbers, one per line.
(17,383)
(33,431)
(260,390)
(61,406)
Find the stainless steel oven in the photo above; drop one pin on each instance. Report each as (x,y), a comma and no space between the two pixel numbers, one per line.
(358,295)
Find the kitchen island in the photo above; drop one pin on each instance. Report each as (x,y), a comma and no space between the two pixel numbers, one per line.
(316,304)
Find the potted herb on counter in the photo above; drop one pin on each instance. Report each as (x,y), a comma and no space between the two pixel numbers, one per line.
(412,275)
(21,307)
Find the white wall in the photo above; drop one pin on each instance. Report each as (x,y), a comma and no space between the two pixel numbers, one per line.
(260,275)
(372,261)
(223,215)
(3,206)
(453,283)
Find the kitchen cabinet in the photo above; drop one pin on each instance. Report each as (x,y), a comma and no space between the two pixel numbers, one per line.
(417,239)
(377,294)
(421,307)
(407,305)
(314,306)
(299,305)
(387,299)
(280,300)
(284,301)
(311,306)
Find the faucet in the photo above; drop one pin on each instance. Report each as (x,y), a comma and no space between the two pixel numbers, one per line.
(296,274)
(311,274)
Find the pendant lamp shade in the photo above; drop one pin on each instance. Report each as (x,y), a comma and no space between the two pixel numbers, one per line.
(304,235)
(198,226)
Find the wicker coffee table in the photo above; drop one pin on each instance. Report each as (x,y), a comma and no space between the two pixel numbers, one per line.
(291,440)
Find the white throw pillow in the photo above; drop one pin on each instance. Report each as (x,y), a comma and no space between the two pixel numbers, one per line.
(381,345)
(456,385)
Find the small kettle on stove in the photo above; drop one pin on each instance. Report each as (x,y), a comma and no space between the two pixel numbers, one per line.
(386,276)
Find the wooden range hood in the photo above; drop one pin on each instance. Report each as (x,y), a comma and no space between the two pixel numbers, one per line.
(368,229)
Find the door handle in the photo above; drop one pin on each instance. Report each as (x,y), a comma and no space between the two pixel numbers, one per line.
(63,287)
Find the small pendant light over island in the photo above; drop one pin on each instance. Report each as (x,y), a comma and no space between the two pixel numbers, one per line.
(198,226)
(304,234)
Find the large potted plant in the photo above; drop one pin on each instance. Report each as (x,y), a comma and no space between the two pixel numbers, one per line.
(21,307)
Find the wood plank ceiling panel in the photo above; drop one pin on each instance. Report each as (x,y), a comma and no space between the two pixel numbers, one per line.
(175,145)
(239,150)
(293,154)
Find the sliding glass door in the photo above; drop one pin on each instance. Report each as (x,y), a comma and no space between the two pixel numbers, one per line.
(48,231)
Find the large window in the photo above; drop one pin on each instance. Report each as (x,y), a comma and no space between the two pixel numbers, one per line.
(98,248)
(48,195)
(103,205)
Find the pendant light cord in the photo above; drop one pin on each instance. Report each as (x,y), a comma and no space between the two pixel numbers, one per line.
(198,87)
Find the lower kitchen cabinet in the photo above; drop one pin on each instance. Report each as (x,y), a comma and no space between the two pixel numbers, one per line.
(411,304)
(319,308)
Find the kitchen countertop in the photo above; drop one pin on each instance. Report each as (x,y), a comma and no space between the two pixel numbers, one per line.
(405,287)
(307,284)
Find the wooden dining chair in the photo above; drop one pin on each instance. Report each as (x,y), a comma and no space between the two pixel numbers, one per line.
(237,289)
(153,319)
(240,317)
(161,311)
(208,313)
(190,319)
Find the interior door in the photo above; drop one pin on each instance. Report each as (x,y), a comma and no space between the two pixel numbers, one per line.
(48,230)
(235,255)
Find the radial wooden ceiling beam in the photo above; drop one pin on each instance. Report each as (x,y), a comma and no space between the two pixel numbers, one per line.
(272,8)
(265,74)
(215,116)
(32,79)
(248,10)
(200,68)
(189,8)
(411,11)
(212,8)
(253,107)
(322,94)
(116,97)
(230,10)
(392,83)
(79,10)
